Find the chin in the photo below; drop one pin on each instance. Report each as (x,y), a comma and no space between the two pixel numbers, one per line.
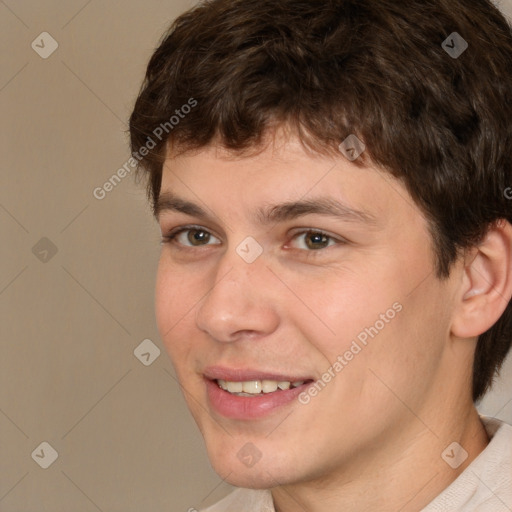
(249,478)
(265,473)
(252,481)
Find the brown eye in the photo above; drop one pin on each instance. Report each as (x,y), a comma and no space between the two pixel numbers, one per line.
(314,240)
(198,236)
(190,236)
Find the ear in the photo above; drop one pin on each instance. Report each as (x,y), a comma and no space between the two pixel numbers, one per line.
(486,286)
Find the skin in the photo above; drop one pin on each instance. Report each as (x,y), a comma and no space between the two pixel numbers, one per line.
(372,439)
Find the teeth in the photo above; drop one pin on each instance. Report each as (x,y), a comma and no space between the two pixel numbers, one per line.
(252,386)
(256,387)
(233,387)
(269,386)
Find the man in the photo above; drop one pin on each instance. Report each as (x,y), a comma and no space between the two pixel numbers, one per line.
(330,179)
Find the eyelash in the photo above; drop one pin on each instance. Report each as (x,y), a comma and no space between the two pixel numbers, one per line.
(171,237)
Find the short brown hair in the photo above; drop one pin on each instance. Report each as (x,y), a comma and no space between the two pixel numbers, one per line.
(379,69)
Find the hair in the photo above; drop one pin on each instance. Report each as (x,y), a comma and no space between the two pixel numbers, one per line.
(378,69)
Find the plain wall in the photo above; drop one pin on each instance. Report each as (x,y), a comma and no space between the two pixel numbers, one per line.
(70,321)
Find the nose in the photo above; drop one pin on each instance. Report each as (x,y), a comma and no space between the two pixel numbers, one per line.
(240,302)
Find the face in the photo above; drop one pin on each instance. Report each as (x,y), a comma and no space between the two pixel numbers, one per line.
(293,326)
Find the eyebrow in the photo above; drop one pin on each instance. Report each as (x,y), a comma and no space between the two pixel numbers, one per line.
(168,201)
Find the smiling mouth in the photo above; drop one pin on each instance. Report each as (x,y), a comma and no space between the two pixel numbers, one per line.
(253,388)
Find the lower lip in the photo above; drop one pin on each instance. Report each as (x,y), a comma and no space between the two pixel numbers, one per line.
(247,407)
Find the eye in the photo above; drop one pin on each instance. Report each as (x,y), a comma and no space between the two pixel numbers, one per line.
(197,236)
(189,236)
(315,240)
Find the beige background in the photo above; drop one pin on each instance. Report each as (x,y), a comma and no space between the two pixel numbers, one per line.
(70,324)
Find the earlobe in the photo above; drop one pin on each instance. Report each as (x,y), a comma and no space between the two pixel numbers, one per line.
(486,287)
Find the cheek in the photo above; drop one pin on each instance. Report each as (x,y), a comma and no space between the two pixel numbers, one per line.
(383,316)
(344,306)
(165,299)
(405,357)
(174,301)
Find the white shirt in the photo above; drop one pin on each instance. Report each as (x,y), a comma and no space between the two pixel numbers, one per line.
(484,486)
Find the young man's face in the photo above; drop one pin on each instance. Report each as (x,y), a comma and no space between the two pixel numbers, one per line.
(364,296)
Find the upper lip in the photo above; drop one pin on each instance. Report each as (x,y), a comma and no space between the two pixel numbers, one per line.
(244,375)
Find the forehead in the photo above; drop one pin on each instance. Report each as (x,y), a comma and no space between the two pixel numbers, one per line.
(280,173)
